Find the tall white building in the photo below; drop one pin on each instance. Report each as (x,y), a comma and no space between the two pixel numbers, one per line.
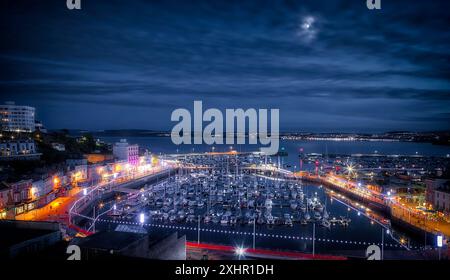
(17,118)
(124,151)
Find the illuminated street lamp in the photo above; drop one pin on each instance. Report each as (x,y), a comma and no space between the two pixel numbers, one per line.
(440,243)
(239,251)
(141,218)
(84,191)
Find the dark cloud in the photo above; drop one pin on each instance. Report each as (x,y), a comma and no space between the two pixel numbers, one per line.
(328,65)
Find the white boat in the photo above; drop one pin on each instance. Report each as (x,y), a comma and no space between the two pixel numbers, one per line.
(268,203)
(317,215)
(270,220)
(307,217)
(325,214)
(293,204)
(287,220)
(224,220)
(325,223)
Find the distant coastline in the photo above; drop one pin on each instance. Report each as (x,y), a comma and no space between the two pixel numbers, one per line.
(435,137)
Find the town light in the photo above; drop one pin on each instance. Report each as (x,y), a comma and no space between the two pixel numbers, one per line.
(84,191)
(141,218)
(115,207)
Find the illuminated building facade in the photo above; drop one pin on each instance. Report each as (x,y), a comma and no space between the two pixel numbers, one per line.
(124,151)
(17,118)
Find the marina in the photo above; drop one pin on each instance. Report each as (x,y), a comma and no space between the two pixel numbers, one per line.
(224,203)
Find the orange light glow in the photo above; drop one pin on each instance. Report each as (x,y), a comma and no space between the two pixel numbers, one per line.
(117,168)
(56,181)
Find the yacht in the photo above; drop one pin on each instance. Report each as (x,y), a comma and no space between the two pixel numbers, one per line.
(293,204)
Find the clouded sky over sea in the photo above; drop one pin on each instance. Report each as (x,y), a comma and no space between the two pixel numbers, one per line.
(327,65)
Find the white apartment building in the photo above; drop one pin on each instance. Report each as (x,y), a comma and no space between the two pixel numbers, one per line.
(124,151)
(17,147)
(17,118)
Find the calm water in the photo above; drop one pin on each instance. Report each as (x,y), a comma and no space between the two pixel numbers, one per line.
(341,238)
(164,145)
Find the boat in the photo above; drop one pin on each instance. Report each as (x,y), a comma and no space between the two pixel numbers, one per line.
(215,219)
(270,220)
(325,214)
(224,220)
(325,223)
(287,220)
(268,203)
(293,204)
(207,219)
(303,208)
(172,218)
(307,217)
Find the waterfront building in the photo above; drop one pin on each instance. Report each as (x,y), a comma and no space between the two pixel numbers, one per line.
(16,118)
(124,151)
(18,150)
(431,185)
(5,193)
(20,198)
(78,173)
(442,198)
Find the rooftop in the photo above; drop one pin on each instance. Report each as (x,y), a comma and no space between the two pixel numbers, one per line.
(112,240)
(16,232)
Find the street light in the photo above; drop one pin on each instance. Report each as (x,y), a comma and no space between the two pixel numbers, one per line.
(440,243)
(142,218)
(84,191)
(440,240)
(239,251)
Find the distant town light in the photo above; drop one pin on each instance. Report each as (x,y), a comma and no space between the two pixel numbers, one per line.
(141,218)
(115,207)
(84,191)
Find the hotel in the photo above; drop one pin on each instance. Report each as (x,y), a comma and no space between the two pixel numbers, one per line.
(17,118)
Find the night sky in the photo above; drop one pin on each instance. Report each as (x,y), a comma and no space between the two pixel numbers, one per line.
(327,65)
